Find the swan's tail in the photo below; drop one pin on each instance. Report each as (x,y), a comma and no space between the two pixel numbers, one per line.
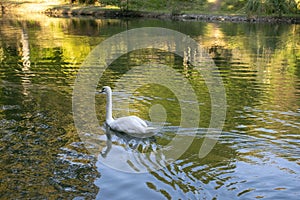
(150,129)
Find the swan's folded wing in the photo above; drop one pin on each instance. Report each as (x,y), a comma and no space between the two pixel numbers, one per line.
(130,124)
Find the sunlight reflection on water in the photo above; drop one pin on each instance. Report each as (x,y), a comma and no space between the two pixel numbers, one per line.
(257,155)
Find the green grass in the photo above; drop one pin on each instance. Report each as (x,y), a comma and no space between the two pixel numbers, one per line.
(175,7)
(220,7)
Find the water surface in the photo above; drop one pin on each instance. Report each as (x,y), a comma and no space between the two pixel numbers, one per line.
(42,156)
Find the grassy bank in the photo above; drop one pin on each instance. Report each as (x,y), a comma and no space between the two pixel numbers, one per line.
(176,10)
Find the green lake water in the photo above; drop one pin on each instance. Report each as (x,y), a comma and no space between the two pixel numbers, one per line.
(43,155)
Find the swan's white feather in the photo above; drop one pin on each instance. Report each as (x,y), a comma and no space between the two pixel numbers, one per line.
(129,124)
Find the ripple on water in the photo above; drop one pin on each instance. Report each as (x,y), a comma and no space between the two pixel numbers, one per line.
(31,158)
(238,166)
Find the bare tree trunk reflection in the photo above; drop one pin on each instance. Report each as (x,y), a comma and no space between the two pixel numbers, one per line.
(25,60)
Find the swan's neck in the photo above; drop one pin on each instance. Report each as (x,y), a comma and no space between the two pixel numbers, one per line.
(109,118)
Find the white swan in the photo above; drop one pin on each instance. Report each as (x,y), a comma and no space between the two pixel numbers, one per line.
(131,125)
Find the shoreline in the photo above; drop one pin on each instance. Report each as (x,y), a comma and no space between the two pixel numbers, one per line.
(110,13)
(68,10)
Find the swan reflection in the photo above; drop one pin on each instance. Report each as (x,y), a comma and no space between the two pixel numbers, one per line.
(131,154)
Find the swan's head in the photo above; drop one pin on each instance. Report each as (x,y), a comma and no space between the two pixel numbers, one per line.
(106,90)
